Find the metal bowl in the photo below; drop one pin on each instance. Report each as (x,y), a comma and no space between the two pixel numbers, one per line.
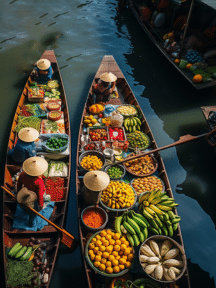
(96,269)
(122,168)
(182,257)
(95,208)
(123,209)
(143,175)
(96,153)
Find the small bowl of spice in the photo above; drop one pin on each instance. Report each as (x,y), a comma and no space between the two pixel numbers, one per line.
(94,218)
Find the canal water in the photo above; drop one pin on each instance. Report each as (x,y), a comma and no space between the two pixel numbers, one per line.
(81,33)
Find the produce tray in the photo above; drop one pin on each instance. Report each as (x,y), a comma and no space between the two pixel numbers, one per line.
(36,99)
(94,128)
(97,142)
(124,133)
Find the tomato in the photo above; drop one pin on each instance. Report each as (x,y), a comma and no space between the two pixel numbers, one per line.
(100,115)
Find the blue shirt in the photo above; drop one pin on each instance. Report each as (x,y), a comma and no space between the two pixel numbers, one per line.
(42,78)
(22,151)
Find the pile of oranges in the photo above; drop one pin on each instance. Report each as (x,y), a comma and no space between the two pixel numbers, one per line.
(110,252)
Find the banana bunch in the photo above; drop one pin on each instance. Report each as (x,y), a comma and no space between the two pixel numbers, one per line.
(156,207)
(132,124)
(133,225)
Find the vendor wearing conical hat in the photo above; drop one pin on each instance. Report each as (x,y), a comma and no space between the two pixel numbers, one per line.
(30,178)
(44,71)
(106,84)
(25,146)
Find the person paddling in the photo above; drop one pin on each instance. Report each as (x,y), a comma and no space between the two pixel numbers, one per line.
(44,71)
(25,146)
(30,185)
(105,85)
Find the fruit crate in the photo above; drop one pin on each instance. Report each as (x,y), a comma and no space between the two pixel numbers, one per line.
(92,129)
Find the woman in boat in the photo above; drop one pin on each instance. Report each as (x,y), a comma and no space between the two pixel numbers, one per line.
(105,85)
(30,185)
(24,147)
(44,71)
(161,16)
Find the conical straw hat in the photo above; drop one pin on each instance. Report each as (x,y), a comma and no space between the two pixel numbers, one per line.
(108,77)
(35,166)
(96,180)
(26,197)
(28,134)
(43,64)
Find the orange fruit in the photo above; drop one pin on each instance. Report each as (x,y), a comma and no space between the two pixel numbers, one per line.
(96,264)
(177,61)
(197,78)
(115,262)
(111,258)
(127,264)
(108,263)
(102,267)
(98,258)
(105,254)
(117,248)
(103,261)
(109,270)
(116,269)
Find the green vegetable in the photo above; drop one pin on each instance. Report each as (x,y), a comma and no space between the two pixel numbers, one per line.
(138,139)
(21,252)
(115,172)
(31,121)
(19,273)
(15,249)
(56,143)
(27,254)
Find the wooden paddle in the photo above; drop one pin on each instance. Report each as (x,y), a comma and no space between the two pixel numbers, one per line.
(182,140)
(67,239)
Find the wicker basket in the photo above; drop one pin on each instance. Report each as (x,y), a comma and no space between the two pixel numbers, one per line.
(182,257)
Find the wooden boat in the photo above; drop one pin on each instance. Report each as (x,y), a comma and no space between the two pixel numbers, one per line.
(48,234)
(109,64)
(156,35)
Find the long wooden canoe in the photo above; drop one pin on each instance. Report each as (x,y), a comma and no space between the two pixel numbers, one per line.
(156,38)
(48,234)
(109,64)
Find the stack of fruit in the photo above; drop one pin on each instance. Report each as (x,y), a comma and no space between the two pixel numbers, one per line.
(118,195)
(110,252)
(133,225)
(132,124)
(96,108)
(116,134)
(160,261)
(138,139)
(90,120)
(156,207)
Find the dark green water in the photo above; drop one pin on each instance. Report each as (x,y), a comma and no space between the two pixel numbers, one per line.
(81,33)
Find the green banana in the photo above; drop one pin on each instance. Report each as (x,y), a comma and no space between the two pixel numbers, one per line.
(130,238)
